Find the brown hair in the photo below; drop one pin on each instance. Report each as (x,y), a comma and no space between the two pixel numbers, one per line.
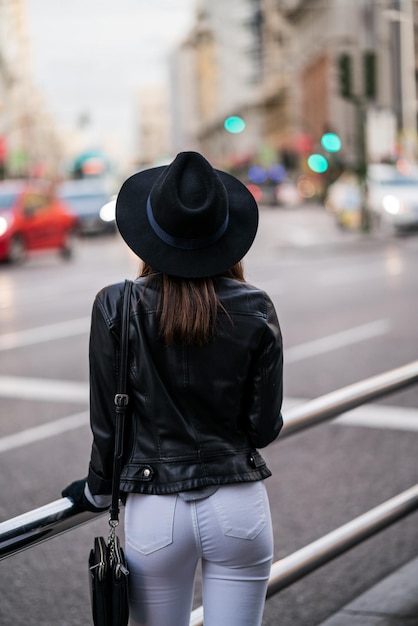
(188,307)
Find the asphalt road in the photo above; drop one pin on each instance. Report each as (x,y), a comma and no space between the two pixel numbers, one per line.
(347,304)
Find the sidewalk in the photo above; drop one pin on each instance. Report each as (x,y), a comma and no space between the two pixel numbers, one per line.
(392,602)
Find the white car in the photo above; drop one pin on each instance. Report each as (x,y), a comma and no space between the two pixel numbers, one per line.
(392,196)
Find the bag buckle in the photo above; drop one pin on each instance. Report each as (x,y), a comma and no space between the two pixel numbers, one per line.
(121,399)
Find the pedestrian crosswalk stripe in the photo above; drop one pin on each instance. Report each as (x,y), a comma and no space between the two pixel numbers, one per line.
(43,389)
(43,431)
(32,336)
(338,340)
(367,416)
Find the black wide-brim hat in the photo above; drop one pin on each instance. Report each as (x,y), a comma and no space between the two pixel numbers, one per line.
(187,219)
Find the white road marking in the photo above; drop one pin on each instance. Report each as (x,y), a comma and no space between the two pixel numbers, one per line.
(381,416)
(67,391)
(368,416)
(338,340)
(44,431)
(43,389)
(81,326)
(31,336)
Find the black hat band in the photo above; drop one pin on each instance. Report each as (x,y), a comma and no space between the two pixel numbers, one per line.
(185,243)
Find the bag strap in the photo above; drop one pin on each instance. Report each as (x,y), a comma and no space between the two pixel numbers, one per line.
(121,401)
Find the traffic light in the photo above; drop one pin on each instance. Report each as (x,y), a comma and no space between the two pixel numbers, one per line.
(234,124)
(369,74)
(317,163)
(344,67)
(331,142)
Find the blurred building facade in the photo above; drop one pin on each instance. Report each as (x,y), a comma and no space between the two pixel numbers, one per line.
(277,64)
(154,133)
(223,58)
(29,145)
(274,64)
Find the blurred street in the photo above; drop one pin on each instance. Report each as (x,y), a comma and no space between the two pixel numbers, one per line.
(347,303)
(310,105)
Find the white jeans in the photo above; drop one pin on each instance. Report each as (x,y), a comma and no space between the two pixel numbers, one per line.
(230,531)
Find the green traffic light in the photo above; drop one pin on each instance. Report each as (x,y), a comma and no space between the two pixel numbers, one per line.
(234,124)
(318,163)
(331,142)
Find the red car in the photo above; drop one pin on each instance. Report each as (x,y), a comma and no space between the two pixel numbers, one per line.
(33,218)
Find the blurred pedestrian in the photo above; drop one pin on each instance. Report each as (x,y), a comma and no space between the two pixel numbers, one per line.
(205,391)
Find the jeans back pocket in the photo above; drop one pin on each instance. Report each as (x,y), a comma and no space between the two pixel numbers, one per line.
(148,524)
(241,509)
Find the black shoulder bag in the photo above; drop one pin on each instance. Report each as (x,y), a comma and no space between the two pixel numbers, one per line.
(107,563)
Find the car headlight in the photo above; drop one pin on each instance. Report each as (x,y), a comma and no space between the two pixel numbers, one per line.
(4,225)
(391,204)
(108,211)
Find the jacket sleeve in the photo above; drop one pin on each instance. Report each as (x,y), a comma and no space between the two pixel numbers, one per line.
(103,358)
(264,419)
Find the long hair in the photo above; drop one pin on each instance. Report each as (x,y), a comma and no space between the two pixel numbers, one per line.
(188,307)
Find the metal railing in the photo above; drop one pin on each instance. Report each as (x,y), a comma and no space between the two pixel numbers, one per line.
(34,527)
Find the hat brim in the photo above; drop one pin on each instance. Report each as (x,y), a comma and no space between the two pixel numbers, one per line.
(134,226)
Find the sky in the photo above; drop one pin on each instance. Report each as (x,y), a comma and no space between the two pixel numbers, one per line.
(90,57)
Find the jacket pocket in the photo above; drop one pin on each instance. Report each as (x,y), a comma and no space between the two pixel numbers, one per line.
(242,509)
(149,522)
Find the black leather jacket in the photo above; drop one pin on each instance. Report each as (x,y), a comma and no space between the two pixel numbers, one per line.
(196,415)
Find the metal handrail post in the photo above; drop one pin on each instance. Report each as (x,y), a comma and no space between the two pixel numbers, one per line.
(39,525)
